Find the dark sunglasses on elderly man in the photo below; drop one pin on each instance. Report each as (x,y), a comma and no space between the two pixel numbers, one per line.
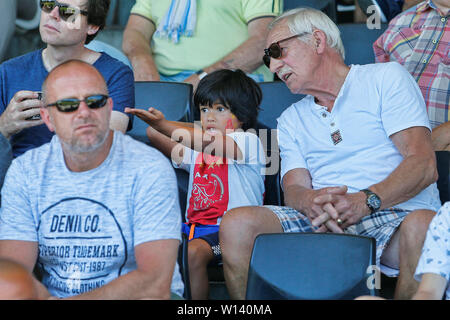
(65,11)
(275,51)
(71,104)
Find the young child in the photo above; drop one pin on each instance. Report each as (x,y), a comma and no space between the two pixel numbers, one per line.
(226,164)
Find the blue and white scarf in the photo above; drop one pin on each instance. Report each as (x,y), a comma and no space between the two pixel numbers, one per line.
(179,20)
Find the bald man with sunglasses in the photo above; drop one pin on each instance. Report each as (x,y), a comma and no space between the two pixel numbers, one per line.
(65,27)
(96,211)
(356,154)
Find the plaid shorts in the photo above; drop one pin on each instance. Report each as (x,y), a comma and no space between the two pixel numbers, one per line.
(380,225)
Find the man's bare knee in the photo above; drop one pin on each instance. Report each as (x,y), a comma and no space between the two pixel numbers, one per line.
(245,223)
(415,225)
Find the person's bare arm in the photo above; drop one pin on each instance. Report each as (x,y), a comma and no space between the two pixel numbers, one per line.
(24,253)
(247,56)
(151,280)
(190,136)
(431,287)
(299,195)
(416,172)
(136,46)
(440,137)
(166,145)
(23,105)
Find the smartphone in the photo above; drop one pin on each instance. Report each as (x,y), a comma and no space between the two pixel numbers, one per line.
(37,116)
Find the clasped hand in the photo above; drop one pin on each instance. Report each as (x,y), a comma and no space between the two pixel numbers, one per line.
(336,210)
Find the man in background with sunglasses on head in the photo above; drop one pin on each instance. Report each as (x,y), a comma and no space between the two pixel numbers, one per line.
(65,27)
(96,210)
(356,154)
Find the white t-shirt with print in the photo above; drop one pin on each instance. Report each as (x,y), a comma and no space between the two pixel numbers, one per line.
(87,224)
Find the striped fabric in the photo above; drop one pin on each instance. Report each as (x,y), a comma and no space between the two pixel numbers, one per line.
(380,225)
(419,39)
(179,20)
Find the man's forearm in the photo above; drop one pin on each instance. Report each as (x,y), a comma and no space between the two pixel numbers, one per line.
(295,197)
(136,46)
(414,174)
(248,56)
(440,137)
(132,286)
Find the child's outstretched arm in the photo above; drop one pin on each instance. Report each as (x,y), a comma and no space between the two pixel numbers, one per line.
(166,145)
(186,134)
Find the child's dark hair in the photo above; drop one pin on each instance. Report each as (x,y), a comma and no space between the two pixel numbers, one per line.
(233,89)
(97,13)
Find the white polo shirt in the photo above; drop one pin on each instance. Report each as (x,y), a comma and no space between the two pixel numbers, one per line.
(375,101)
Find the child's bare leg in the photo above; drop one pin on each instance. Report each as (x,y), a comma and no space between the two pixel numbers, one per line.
(200,254)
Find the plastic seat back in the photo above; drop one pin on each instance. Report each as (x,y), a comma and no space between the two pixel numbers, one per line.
(443,167)
(358,42)
(327,6)
(311,266)
(173,99)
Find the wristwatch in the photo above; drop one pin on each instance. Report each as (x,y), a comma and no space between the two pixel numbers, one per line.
(373,201)
(201,74)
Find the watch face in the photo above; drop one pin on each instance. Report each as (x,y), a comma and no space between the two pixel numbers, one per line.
(374,201)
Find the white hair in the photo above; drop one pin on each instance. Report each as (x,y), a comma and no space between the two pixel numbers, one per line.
(306,20)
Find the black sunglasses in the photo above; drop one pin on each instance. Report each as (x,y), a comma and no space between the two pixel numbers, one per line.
(275,51)
(71,104)
(65,11)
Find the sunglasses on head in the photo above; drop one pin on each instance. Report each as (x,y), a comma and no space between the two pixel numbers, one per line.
(275,51)
(71,104)
(65,11)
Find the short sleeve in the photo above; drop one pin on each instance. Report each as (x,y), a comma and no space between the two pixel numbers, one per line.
(143,8)
(187,159)
(121,88)
(253,9)
(290,151)
(402,99)
(16,217)
(435,256)
(250,146)
(378,49)
(157,214)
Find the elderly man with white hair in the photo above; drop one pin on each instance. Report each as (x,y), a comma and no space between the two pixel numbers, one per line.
(356,154)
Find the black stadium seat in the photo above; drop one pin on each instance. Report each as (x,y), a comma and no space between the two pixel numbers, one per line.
(327,6)
(443,167)
(358,42)
(276,98)
(173,99)
(312,266)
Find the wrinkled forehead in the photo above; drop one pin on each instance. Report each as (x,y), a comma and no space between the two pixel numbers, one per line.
(279,32)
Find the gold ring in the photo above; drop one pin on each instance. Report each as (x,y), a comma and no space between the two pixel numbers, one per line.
(339,221)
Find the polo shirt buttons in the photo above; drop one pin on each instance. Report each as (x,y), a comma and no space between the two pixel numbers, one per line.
(424,61)
(434,41)
(332,124)
(324,115)
(443,19)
